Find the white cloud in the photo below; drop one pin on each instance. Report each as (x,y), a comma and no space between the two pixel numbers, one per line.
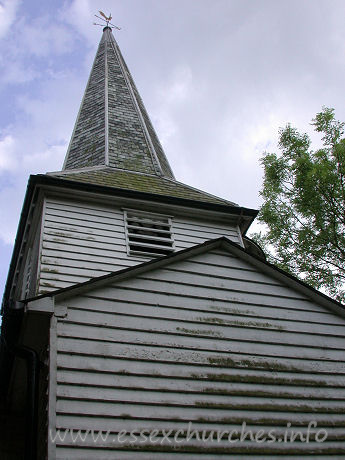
(80,14)
(16,72)
(170,97)
(11,200)
(179,89)
(43,38)
(7,148)
(8,10)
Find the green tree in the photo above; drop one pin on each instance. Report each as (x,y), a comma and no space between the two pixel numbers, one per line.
(304,205)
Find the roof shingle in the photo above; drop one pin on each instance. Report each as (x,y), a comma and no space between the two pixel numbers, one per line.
(110,177)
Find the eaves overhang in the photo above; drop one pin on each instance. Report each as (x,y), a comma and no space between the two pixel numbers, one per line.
(246,213)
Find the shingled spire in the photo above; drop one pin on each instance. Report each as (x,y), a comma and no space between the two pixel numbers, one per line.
(113,143)
(113,128)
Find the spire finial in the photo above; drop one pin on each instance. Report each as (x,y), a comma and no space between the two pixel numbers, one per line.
(107,20)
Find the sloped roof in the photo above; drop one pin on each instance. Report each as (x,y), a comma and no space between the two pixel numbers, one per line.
(128,180)
(113,127)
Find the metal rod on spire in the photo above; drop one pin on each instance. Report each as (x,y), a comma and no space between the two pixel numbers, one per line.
(106,19)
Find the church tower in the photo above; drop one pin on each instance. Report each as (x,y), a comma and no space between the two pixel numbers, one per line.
(111,205)
(136,303)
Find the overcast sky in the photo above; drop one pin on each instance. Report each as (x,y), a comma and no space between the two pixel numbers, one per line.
(218,77)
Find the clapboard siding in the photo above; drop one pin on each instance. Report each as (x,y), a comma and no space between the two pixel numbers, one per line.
(83,241)
(187,385)
(279,320)
(212,326)
(172,346)
(206,373)
(182,349)
(129,295)
(229,295)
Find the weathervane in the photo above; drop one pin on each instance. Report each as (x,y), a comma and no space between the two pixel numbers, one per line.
(106,19)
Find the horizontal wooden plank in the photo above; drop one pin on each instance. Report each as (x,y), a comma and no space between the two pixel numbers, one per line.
(115,425)
(149,243)
(67,222)
(56,269)
(110,439)
(75,267)
(181,245)
(85,208)
(66,242)
(200,227)
(54,226)
(162,412)
(74,248)
(291,323)
(191,386)
(199,400)
(86,341)
(259,332)
(159,231)
(205,233)
(58,278)
(203,292)
(222,258)
(55,256)
(199,238)
(232,270)
(181,223)
(199,372)
(181,340)
(211,281)
(45,289)
(80,201)
(52,285)
(187,223)
(50,234)
(91,217)
(208,306)
(138,442)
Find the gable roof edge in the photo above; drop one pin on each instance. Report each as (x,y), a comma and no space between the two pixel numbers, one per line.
(223,243)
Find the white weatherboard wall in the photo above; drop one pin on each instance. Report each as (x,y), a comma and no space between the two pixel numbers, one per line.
(82,241)
(208,340)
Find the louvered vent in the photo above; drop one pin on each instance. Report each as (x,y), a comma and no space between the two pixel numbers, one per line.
(148,234)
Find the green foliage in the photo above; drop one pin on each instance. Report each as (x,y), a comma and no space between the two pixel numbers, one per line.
(304,205)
